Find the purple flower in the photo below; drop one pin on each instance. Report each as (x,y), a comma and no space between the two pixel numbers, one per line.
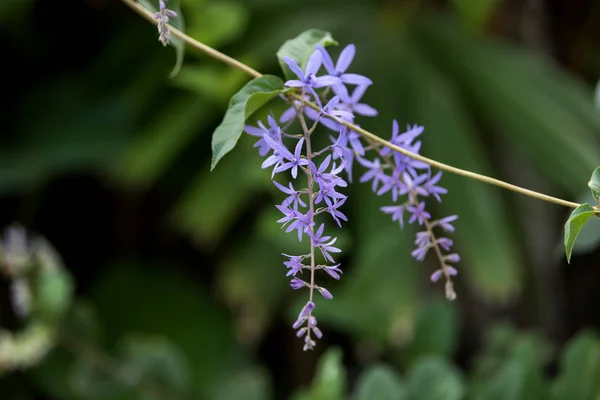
(297,283)
(418,213)
(397,213)
(290,113)
(453,258)
(302,223)
(293,195)
(325,293)
(420,252)
(445,243)
(283,158)
(162,16)
(392,183)
(320,241)
(304,313)
(431,188)
(334,271)
(274,131)
(445,224)
(289,214)
(307,79)
(344,61)
(294,264)
(340,150)
(350,103)
(437,274)
(336,214)
(374,173)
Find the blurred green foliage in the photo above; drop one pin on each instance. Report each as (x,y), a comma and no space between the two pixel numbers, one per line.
(219,327)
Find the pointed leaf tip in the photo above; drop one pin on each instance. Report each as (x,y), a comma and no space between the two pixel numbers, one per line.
(574,224)
(243,104)
(301,47)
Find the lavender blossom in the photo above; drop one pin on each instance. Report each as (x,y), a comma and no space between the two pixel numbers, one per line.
(399,175)
(307,79)
(315,191)
(162,16)
(344,61)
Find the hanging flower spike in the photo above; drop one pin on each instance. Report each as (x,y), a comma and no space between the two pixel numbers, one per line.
(162,16)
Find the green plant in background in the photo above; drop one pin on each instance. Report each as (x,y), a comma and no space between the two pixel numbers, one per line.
(367,308)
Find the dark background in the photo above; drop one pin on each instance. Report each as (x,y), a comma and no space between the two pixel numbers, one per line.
(108,159)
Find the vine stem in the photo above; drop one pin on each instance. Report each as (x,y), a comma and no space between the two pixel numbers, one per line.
(366,134)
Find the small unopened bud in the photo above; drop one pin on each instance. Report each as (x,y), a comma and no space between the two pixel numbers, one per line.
(450,293)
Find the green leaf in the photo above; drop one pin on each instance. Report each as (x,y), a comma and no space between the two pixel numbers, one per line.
(588,238)
(594,184)
(301,47)
(178,23)
(53,293)
(381,383)
(142,298)
(329,382)
(250,384)
(579,369)
(511,367)
(433,378)
(474,14)
(87,381)
(574,224)
(243,104)
(436,330)
(156,360)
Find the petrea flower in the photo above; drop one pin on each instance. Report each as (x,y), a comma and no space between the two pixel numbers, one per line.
(350,103)
(294,264)
(308,79)
(397,213)
(332,109)
(291,113)
(344,61)
(334,271)
(293,195)
(340,151)
(325,293)
(374,173)
(162,16)
(418,213)
(431,188)
(283,158)
(437,274)
(404,180)
(297,283)
(302,223)
(336,214)
(274,132)
(445,224)
(320,241)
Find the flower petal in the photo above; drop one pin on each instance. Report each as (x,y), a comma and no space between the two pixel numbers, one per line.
(346,57)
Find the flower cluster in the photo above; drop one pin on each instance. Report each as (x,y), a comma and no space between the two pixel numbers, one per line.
(400,175)
(162,16)
(320,170)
